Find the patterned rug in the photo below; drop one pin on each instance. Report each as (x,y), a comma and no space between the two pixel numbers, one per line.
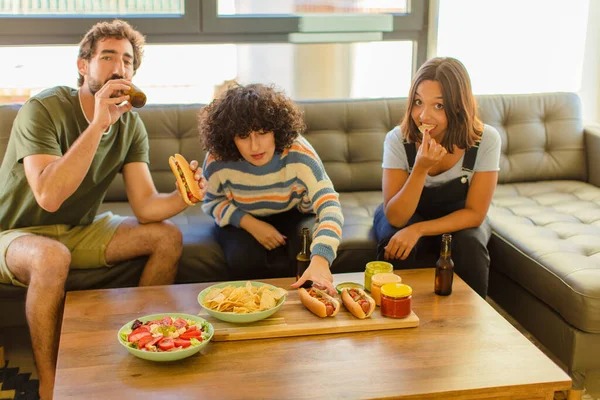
(17,386)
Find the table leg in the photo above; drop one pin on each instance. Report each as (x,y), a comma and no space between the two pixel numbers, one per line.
(574,394)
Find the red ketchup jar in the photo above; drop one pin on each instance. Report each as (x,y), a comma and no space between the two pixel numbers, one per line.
(396,300)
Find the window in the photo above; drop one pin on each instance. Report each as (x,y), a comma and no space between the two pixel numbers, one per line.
(314,49)
(64,22)
(515,46)
(87,7)
(244,7)
(313,16)
(307,71)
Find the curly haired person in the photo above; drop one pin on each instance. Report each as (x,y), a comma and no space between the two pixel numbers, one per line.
(263,178)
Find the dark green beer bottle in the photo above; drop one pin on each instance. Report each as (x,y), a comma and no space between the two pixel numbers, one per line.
(444,268)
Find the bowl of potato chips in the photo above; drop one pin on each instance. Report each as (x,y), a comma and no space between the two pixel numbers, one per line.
(243,301)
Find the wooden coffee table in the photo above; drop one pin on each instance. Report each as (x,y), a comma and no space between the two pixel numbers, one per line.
(462,349)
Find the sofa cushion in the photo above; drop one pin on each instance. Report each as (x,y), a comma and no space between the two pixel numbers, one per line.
(348,135)
(542,135)
(554,228)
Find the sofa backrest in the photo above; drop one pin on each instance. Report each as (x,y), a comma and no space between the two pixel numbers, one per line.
(542,137)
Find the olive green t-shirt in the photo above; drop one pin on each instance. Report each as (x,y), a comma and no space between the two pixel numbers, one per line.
(49,123)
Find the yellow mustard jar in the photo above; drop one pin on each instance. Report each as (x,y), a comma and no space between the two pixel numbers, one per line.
(376,267)
(379,280)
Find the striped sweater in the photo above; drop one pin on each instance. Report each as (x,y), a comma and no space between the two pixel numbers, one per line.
(294,178)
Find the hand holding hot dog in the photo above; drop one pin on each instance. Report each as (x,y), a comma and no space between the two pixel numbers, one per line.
(198,177)
(189,180)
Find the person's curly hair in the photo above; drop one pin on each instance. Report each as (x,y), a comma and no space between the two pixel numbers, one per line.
(245,109)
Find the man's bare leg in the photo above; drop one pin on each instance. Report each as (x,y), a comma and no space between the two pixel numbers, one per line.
(161,241)
(43,264)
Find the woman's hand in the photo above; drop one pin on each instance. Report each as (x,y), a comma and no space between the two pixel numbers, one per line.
(402,243)
(266,234)
(318,272)
(430,152)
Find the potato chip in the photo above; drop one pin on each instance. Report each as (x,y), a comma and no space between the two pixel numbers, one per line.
(214,292)
(243,299)
(267,301)
(279,293)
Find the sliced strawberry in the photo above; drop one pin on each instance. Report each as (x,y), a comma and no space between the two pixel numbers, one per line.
(191,334)
(182,343)
(134,337)
(144,341)
(154,341)
(166,344)
(143,328)
(180,323)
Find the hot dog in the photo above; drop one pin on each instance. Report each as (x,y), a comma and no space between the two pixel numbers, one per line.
(319,302)
(359,303)
(188,186)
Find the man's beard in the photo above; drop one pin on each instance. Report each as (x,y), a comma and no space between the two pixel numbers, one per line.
(95,85)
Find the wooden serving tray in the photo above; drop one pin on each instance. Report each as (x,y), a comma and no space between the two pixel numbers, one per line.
(293,319)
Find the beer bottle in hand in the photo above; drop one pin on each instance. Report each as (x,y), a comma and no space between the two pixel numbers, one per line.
(303,258)
(444,268)
(137,98)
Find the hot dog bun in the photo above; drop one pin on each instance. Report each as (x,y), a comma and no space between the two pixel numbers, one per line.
(317,306)
(190,191)
(354,306)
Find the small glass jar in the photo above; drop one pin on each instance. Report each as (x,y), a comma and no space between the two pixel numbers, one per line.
(375,267)
(396,300)
(380,279)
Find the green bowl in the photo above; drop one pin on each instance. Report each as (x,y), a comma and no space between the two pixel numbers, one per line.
(167,355)
(240,318)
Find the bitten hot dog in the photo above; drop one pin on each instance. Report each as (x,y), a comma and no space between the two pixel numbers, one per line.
(319,302)
(359,303)
(188,186)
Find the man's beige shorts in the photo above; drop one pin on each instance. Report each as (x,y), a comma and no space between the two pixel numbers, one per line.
(87,243)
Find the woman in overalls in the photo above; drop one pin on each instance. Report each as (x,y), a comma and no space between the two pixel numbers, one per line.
(440,169)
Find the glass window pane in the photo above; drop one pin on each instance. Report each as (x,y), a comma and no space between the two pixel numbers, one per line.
(534,55)
(91,7)
(249,7)
(307,71)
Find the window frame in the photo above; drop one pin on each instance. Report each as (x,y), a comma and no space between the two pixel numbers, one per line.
(212,22)
(201,23)
(36,30)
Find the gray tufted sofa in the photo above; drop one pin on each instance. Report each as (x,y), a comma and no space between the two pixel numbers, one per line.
(546,211)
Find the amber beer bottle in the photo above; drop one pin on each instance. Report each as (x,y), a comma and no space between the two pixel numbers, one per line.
(303,258)
(137,98)
(444,268)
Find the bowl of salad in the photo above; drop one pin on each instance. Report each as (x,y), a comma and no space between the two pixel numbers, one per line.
(165,337)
